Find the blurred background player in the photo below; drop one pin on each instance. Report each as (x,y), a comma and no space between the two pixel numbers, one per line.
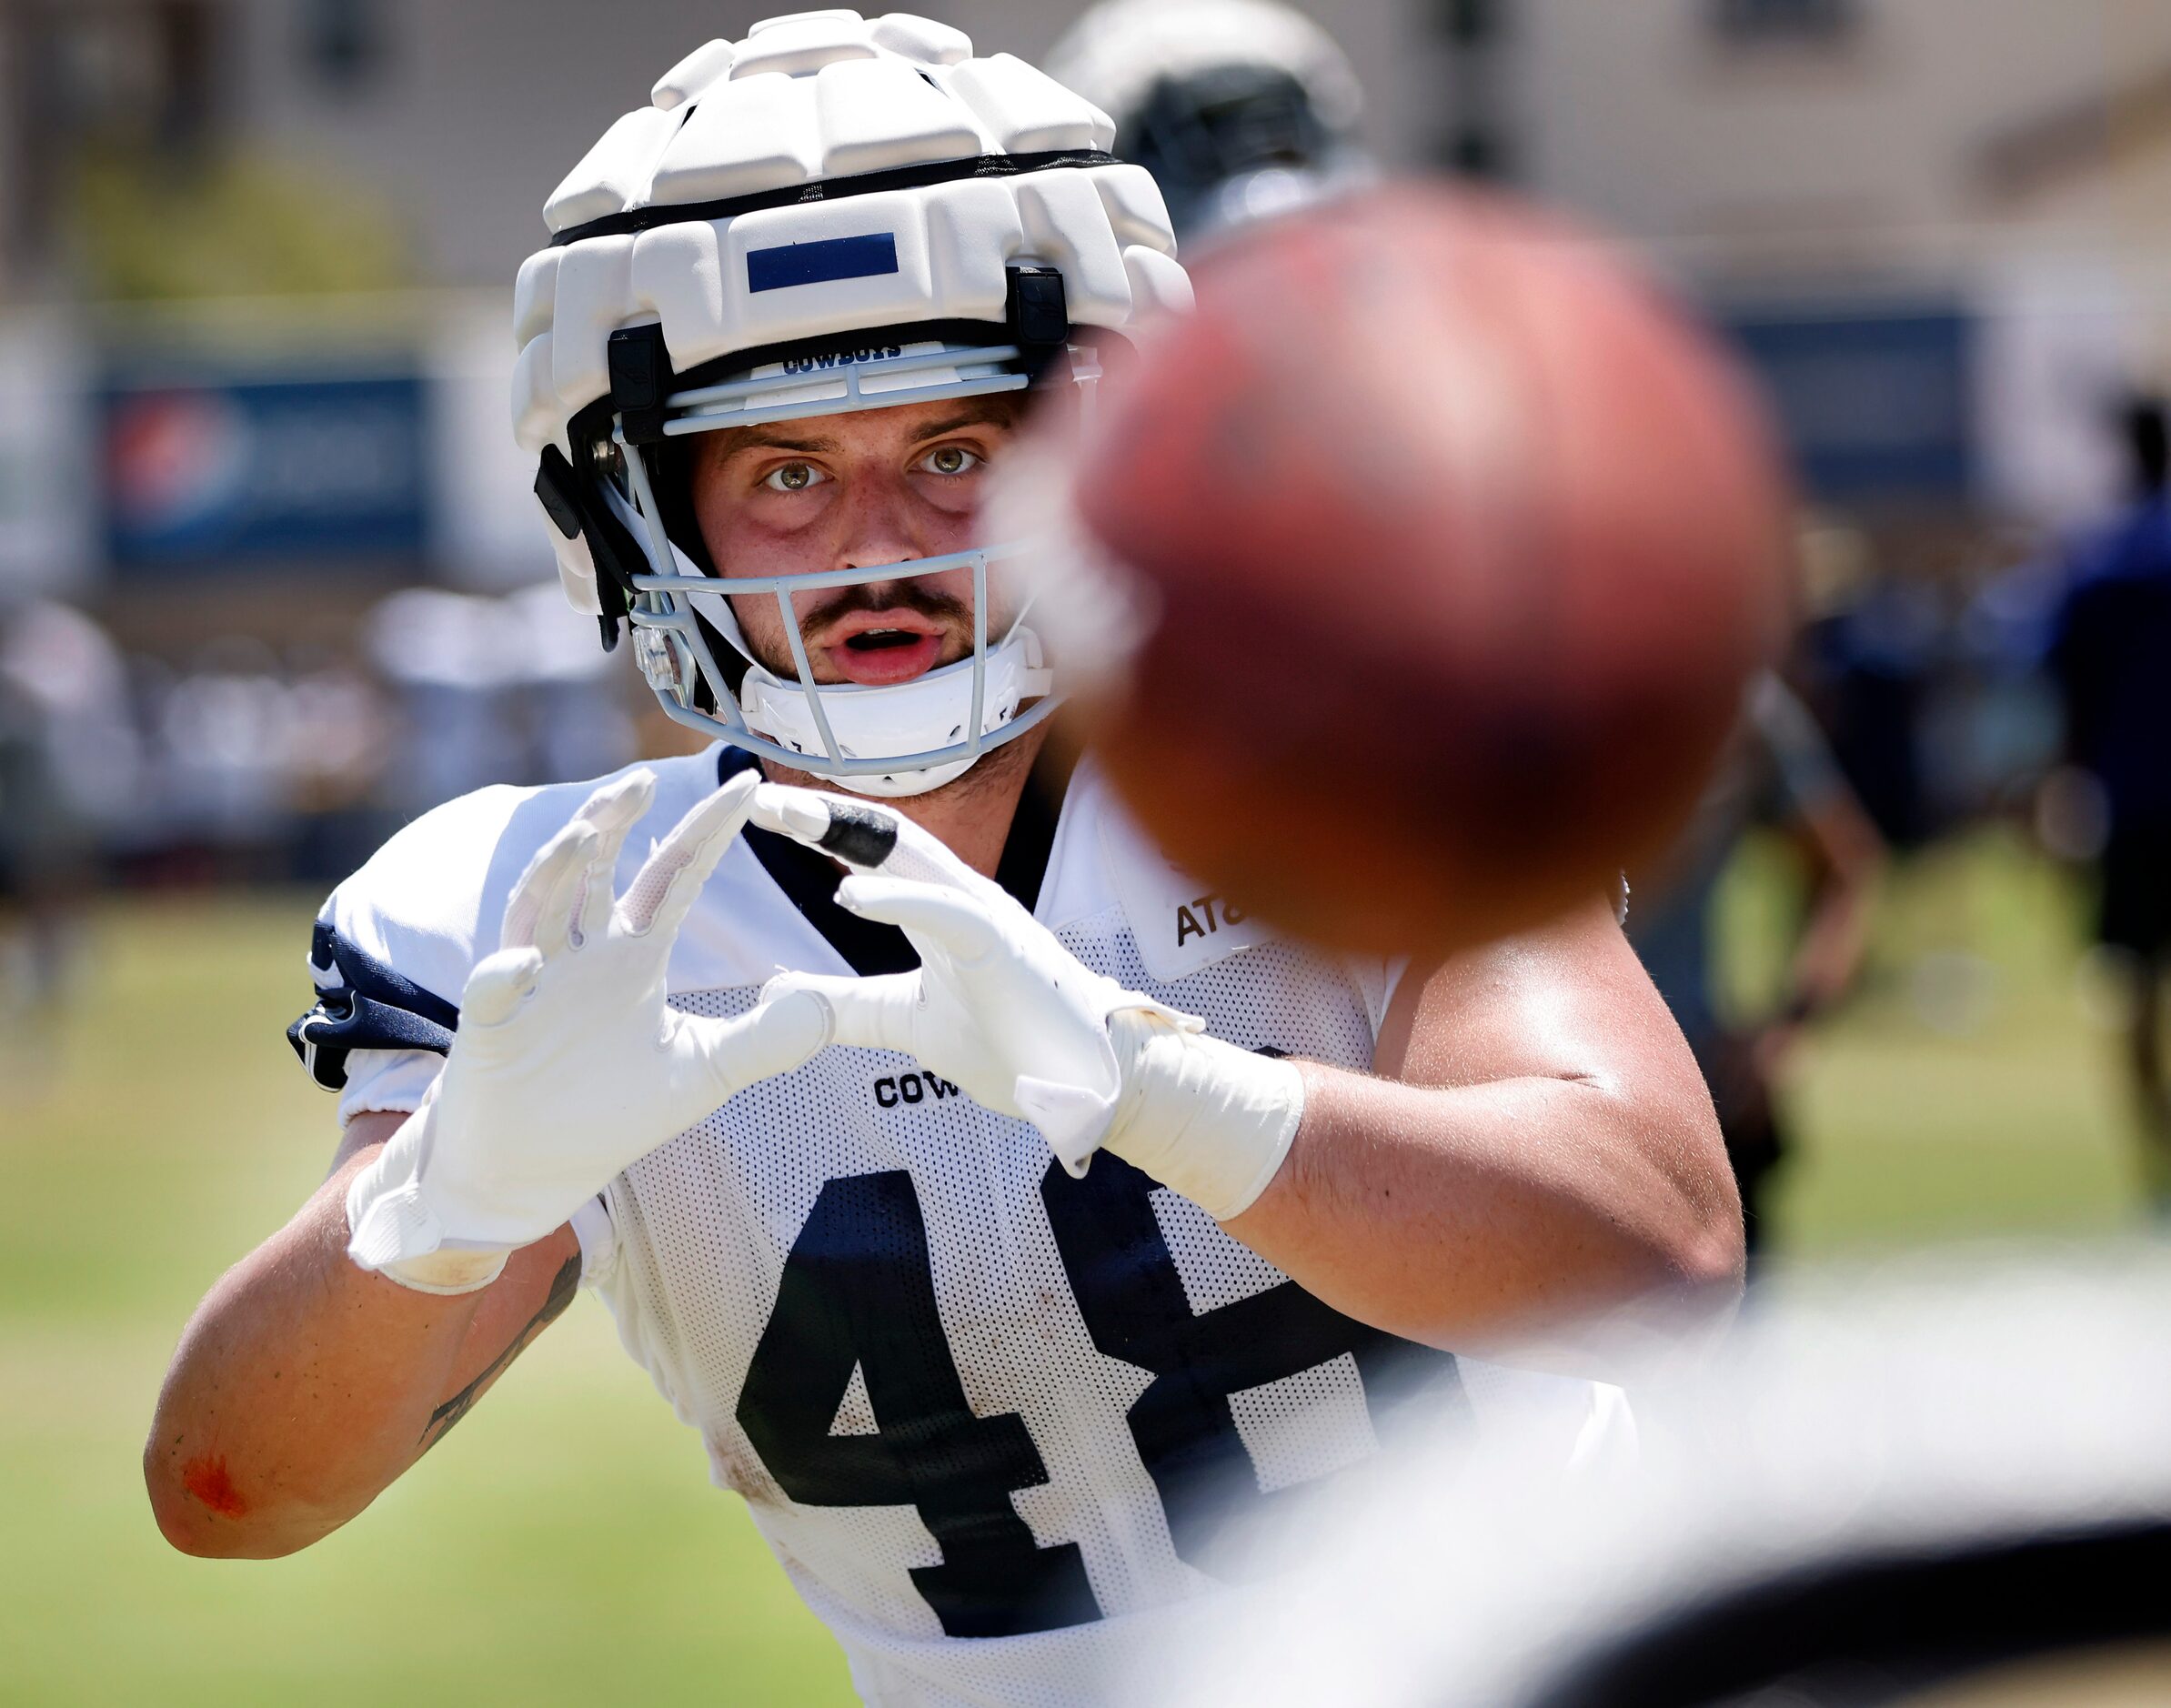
(492,690)
(1778,776)
(68,769)
(1240,109)
(2110,658)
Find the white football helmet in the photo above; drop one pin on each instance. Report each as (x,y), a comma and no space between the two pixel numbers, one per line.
(1240,109)
(832,214)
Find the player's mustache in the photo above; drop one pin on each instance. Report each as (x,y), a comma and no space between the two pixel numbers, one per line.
(886,596)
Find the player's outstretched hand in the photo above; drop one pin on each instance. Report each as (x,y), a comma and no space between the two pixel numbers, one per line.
(568,1065)
(1001,1006)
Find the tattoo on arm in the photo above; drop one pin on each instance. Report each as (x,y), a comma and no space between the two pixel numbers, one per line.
(563,1286)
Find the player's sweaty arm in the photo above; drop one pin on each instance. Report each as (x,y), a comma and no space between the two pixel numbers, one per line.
(332,1358)
(304,1385)
(1536,1144)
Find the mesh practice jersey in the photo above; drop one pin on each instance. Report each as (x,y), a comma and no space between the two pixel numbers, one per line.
(1000,1426)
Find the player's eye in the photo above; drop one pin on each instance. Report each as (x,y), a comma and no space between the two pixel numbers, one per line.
(951,459)
(793,478)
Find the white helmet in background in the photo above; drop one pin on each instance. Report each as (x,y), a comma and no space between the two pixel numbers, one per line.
(832,214)
(1240,108)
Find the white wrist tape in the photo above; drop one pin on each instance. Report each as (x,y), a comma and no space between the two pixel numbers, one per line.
(449,1272)
(385,1209)
(1202,1117)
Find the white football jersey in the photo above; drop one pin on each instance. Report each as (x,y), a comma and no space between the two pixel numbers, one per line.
(1000,1426)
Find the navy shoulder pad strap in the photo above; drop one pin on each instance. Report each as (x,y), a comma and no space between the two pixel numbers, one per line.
(363,1004)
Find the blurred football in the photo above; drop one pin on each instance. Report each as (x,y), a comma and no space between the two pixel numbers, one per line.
(1412,583)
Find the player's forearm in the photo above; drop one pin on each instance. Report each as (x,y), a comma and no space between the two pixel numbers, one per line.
(1833,947)
(296,1393)
(304,1386)
(1848,858)
(1478,1216)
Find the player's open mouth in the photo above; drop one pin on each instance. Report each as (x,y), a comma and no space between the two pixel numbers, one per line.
(881,648)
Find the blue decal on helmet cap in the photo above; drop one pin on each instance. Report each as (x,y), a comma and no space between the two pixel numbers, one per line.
(818,263)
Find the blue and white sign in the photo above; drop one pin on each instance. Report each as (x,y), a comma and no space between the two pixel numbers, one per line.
(1875,400)
(217,474)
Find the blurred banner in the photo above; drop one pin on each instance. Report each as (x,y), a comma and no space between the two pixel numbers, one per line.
(1994,400)
(281,440)
(220,473)
(277,439)
(1875,401)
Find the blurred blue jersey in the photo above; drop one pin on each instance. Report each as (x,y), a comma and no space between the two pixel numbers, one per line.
(2110,654)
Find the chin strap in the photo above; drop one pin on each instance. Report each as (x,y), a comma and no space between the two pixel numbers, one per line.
(924,715)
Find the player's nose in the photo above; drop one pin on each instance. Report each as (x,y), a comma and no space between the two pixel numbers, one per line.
(876,525)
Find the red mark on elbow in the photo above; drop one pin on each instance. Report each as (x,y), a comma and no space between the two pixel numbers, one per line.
(206,1479)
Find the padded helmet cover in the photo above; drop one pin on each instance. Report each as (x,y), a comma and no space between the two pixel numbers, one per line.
(837,175)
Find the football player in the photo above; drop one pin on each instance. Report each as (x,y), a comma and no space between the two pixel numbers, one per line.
(1240,109)
(1023,1230)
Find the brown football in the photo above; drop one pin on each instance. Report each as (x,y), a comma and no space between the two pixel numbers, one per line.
(1448,544)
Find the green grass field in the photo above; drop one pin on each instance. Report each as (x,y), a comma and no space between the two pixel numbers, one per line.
(1964,1091)
(564,1543)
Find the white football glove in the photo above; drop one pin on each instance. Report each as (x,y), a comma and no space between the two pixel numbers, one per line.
(1002,1008)
(568,1065)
